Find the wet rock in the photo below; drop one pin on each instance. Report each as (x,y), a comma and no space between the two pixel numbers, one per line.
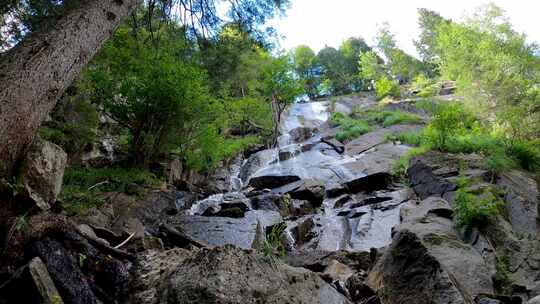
(301,134)
(219,231)
(427,253)
(230,275)
(284,155)
(30,284)
(307,189)
(318,260)
(373,170)
(361,292)
(300,208)
(42,172)
(232,204)
(521,196)
(302,232)
(255,162)
(272,181)
(535,300)
(334,143)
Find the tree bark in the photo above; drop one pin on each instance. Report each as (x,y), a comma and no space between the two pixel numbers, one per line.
(35,73)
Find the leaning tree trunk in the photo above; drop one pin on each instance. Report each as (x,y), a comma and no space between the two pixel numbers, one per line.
(34,74)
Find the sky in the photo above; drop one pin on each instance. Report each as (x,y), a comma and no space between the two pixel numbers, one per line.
(317,23)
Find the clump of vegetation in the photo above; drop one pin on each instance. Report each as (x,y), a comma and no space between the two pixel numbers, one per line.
(273,244)
(349,127)
(83,186)
(385,86)
(386,118)
(425,87)
(426,104)
(402,164)
(475,208)
(503,281)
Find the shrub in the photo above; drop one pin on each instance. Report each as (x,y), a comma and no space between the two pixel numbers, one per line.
(475,209)
(428,105)
(387,118)
(449,120)
(402,164)
(385,86)
(410,138)
(526,154)
(425,87)
(273,244)
(351,128)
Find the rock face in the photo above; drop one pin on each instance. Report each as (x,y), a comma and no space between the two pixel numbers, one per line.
(230,275)
(42,172)
(377,137)
(427,262)
(521,195)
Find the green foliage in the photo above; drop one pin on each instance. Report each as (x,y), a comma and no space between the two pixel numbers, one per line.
(82,186)
(74,125)
(496,69)
(371,66)
(429,22)
(449,119)
(273,244)
(475,208)
(425,86)
(428,105)
(385,86)
(503,280)
(402,164)
(414,139)
(350,128)
(387,118)
(305,65)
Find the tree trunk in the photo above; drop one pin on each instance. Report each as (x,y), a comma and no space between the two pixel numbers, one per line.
(35,73)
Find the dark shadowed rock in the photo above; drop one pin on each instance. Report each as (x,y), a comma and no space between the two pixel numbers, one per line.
(231,275)
(232,204)
(30,284)
(306,189)
(65,272)
(272,181)
(42,172)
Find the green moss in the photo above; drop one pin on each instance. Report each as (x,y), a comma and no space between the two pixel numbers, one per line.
(386,118)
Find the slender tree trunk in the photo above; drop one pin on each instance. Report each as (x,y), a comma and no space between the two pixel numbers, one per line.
(34,74)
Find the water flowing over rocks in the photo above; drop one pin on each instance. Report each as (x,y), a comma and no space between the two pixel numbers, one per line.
(313,220)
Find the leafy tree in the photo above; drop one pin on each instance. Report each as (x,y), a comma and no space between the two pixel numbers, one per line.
(281,86)
(495,68)
(399,63)
(371,66)
(351,49)
(333,68)
(305,66)
(426,44)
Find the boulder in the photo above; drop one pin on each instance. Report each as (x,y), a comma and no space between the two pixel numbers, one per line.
(307,189)
(300,134)
(255,162)
(30,284)
(232,204)
(219,231)
(272,181)
(230,275)
(427,262)
(42,172)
